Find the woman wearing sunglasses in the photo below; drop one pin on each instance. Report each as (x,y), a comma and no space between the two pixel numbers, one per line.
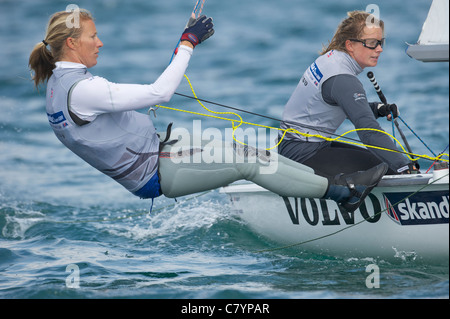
(328,93)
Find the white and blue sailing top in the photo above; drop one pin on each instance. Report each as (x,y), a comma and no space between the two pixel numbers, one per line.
(97,119)
(308,108)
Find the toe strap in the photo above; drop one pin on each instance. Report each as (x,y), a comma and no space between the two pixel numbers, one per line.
(351,186)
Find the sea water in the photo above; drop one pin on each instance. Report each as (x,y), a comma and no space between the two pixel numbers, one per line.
(67,231)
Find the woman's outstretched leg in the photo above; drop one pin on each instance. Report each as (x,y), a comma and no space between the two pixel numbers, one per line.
(186,169)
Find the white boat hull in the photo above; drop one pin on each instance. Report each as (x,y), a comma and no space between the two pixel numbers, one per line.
(416,228)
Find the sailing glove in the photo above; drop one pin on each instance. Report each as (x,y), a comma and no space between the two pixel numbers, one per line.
(198,30)
(387,109)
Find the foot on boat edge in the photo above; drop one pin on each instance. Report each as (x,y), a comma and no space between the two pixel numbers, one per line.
(350,190)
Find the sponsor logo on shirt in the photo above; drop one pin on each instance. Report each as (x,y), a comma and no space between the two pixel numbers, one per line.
(57,120)
(359,96)
(315,71)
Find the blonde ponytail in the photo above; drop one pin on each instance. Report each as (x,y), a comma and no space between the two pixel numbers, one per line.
(42,63)
(51,49)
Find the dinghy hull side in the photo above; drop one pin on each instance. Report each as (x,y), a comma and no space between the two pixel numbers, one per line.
(401,218)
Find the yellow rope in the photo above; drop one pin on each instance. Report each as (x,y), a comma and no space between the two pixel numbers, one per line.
(411,156)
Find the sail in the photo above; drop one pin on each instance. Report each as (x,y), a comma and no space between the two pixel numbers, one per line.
(433,43)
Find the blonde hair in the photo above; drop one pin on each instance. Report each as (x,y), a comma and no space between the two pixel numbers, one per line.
(42,59)
(351,28)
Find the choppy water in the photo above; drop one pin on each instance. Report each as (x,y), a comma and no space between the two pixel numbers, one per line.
(57,214)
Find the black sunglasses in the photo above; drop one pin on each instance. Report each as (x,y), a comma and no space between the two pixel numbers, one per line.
(370,43)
